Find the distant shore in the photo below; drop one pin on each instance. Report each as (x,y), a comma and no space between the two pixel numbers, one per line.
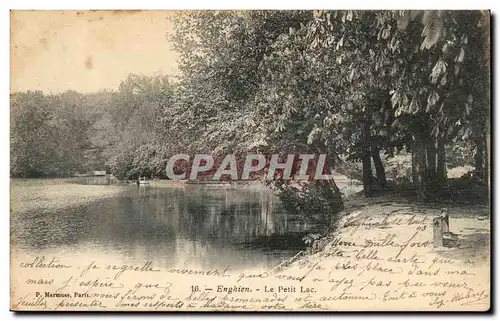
(53,194)
(59,193)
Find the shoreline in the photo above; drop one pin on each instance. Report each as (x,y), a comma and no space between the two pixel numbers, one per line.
(381,251)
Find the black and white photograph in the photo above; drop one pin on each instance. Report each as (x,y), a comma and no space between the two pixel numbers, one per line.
(250,160)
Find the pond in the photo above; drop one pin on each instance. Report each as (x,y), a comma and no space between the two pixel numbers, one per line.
(195,226)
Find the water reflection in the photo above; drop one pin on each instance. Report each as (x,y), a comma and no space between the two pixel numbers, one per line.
(200,226)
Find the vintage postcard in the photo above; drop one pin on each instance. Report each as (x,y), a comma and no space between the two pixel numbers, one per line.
(287,160)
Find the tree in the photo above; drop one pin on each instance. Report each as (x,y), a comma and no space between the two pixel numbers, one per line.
(383,51)
(139,113)
(51,135)
(31,135)
(434,90)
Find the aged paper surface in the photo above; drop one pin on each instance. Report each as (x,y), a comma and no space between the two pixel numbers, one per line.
(101,101)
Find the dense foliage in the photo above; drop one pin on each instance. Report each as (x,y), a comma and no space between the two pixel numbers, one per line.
(52,135)
(361,86)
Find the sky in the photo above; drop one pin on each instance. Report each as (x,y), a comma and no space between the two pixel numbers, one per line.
(86,51)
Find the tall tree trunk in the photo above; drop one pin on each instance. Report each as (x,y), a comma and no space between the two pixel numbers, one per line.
(379,166)
(414,172)
(366,159)
(420,166)
(433,183)
(441,161)
(431,155)
(479,158)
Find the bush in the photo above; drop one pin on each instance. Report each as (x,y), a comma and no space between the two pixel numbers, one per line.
(398,168)
(311,199)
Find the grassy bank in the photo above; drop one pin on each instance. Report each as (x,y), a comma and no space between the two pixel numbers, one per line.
(382,250)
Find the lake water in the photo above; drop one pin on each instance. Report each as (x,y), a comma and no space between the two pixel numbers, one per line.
(202,226)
